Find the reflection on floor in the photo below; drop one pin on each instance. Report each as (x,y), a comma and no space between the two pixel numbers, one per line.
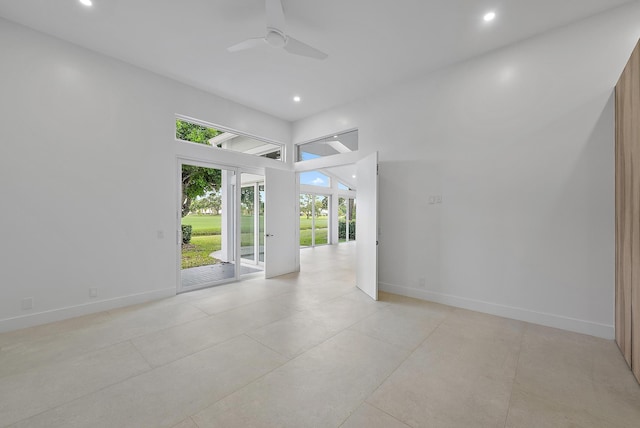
(212,273)
(309,350)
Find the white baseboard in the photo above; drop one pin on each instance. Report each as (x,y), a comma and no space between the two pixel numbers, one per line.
(521,314)
(30,320)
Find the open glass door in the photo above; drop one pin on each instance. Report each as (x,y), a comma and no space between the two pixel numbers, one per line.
(367,226)
(261,200)
(251,223)
(281,248)
(206,229)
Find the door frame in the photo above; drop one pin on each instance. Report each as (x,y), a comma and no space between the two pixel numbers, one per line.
(181,160)
(344,159)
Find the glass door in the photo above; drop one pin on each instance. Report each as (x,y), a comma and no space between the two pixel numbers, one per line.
(261,199)
(247,223)
(252,196)
(314,219)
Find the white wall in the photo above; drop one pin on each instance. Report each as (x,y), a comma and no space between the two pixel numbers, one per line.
(88,176)
(520,144)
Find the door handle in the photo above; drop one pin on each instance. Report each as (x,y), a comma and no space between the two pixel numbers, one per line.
(268,235)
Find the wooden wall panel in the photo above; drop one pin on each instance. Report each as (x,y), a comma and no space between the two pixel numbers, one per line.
(634,129)
(623,226)
(628,212)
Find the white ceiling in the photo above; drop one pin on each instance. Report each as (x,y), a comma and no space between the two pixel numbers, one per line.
(371,43)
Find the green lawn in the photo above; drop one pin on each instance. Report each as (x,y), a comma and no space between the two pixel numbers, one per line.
(206,236)
(197,253)
(305,237)
(212,224)
(204,224)
(321,222)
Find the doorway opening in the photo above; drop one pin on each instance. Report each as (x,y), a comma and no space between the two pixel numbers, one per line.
(207,225)
(238,216)
(327,206)
(343,170)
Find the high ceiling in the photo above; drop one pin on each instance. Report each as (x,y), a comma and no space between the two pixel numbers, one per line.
(371,44)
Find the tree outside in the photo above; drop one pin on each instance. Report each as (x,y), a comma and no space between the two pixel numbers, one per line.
(201,198)
(197,181)
(209,204)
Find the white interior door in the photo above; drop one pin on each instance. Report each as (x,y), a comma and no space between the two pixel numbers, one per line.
(281,248)
(367,226)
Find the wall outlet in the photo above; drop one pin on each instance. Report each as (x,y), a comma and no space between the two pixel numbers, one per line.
(432,200)
(160,234)
(93,292)
(27,303)
(422,282)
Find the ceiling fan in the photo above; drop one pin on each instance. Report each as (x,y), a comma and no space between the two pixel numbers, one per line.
(277,37)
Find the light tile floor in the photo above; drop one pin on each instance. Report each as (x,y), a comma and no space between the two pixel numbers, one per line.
(309,350)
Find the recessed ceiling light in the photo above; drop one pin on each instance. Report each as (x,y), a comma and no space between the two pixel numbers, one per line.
(354,176)
(489,16)
(297,99)
(86,2)
(335,136)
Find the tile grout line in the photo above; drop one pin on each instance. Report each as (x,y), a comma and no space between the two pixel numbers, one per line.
(114,316)
(281,365)
(319,343)
(228,339)
(94,391)
(398,366)
(206,315)
(515,375)
(194,422)
(409,350)
(246,384)
(388,414)
(240,306)
(269,347)
(139,352)
(134,376)
(215,344)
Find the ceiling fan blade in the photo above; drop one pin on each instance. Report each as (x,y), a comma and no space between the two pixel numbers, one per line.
(275,15)
(247,44)
(296,47)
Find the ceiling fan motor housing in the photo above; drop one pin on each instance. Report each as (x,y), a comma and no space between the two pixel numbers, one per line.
(276,38)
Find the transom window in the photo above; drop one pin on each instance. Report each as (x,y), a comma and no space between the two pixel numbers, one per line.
(331,145)
(203,133)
